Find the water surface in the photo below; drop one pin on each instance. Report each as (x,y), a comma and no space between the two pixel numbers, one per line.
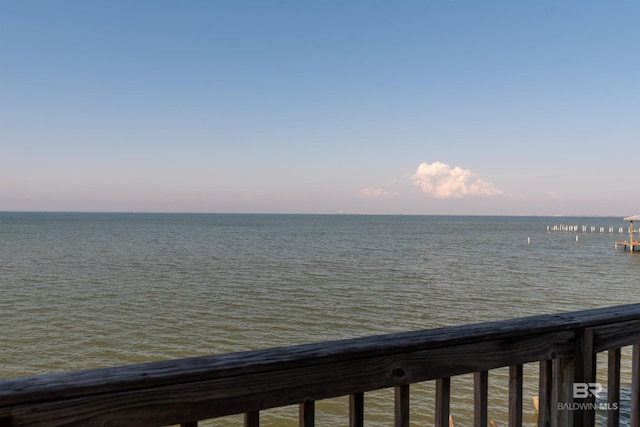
(86,290)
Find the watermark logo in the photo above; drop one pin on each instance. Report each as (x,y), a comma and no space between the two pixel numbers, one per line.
(586,406)
(585,390)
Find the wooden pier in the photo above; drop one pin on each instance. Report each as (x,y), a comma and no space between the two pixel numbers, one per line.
(634,245)
(185,391)
(631,244)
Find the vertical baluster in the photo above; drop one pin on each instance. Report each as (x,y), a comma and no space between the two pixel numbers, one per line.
(515,396)
(443,400)
(585,372)
(563,370)
(252,419)
(544,393)
(635,386)
(481,391)
(307,413)
(613,387)
(356,410)
(402,406)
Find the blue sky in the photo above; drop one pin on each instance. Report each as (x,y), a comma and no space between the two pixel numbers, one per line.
(415,107)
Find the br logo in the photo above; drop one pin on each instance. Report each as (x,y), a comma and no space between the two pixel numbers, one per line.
(584,390)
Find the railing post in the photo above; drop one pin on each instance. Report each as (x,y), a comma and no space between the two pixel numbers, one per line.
(635,386)
(481,398)
(613,387)
(544,393)
(252,419)
(307,413)
(585,372)
(563,391)
(443,399)
(515,396)
(402,406)
(356,410)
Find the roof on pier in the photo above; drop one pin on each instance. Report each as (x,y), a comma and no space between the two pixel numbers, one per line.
(633,218)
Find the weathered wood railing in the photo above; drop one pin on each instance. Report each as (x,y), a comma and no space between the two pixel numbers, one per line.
(185,391)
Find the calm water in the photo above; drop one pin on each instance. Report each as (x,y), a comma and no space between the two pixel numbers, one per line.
(92,290)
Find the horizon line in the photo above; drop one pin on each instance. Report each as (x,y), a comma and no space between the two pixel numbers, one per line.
(134,212)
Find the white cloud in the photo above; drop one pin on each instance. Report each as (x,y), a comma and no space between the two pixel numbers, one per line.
(373,192)
(553,195)
(443,181)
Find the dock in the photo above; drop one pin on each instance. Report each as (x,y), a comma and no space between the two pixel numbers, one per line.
(633,246)
(630,244)
(625,245)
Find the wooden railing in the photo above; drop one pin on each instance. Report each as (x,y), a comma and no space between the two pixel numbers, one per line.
(187,390)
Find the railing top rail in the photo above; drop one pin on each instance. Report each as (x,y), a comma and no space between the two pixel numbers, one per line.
(156,374)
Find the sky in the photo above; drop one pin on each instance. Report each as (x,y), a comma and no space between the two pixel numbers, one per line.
(321,106)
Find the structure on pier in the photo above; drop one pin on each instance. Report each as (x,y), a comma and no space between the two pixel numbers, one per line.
(631,244)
